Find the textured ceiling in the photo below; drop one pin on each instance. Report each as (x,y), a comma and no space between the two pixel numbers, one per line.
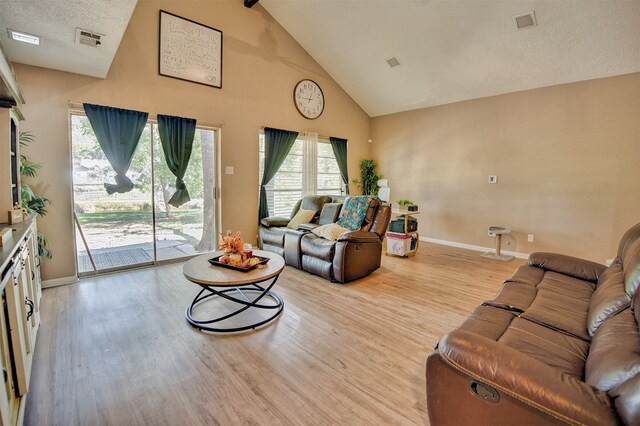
(454,50)
(56,22)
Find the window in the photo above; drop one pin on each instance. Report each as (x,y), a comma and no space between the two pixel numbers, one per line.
(309,169)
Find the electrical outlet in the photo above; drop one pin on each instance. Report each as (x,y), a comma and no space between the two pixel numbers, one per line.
(530,238)
(493,179)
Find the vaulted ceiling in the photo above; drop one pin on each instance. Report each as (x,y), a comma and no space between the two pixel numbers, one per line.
(56,22)
(448,50)
(453,50)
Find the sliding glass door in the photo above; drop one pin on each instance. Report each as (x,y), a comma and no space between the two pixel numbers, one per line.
(139,227)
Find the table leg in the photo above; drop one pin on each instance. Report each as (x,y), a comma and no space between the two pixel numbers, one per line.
(210,292)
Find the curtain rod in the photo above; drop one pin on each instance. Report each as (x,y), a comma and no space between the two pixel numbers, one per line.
(78,106)
(301,133)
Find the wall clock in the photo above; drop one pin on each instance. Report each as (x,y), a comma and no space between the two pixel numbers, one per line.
(309,99)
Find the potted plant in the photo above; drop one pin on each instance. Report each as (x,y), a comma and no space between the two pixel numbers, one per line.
(368,181)
(32,202)
(406,205)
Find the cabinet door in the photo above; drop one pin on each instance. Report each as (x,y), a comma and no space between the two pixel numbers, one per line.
(24,302)
(35,263)
(32,314)
(7,390)
(15,311)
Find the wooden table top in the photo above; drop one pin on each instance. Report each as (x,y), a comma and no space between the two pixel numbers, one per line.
(200,271)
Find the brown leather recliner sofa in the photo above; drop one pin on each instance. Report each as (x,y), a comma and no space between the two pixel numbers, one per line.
(272,230)
(559,344)
(353,255)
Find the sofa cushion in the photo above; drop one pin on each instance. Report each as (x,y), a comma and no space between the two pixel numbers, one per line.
(330,231)
(371,214)
(514,296)
(303,216)
(608,299)
(330,213)
(631,262)
(318,247)
(315,203)
(561,312)
(274,221)
(627,400)
(295,209)
(488,321)
(566,353)
(628,239)
(614,356)
(616,267)
(354,211)
(527,275)
(273,236)
(567,265)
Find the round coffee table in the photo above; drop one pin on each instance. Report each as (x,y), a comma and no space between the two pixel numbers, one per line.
(218,282)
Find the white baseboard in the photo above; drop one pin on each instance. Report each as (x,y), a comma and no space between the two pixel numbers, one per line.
(474,248)
(59,281)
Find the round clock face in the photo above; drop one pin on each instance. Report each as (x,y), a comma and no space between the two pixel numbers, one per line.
(309,99)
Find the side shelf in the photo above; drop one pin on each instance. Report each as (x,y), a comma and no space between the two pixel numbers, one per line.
(403,244)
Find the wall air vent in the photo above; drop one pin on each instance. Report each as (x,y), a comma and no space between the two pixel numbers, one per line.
(393,62)
(88,38)
(526,20)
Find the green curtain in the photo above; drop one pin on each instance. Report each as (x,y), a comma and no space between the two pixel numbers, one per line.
(176,136)
(277,144)
(339,147)
(118,132)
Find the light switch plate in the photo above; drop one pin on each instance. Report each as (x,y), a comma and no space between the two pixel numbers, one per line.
(228,170)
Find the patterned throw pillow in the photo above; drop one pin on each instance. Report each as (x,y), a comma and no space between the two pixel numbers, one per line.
(354,211)
(330,231)
(303,216)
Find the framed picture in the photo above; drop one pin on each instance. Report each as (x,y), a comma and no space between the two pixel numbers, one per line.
(189,51)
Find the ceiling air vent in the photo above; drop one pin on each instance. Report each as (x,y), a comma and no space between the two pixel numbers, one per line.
(88,38)
(526,20)
(393,62)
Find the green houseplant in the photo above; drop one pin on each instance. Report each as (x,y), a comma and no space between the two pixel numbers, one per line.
(32,202)
(368,177)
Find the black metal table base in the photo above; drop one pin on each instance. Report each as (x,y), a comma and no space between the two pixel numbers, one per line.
(211,292)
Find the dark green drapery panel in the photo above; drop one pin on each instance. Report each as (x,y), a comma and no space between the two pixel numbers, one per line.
(277,144)
(340,151)
(176,136)
(118,132)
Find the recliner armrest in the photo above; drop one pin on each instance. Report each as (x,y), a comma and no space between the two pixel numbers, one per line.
(530,381)
(307,226)
(359,237)
(275,221)
(572,266)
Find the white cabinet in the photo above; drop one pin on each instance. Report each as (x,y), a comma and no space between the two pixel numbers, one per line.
(19,321)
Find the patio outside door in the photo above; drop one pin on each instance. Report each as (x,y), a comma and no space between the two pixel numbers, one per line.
(138,228)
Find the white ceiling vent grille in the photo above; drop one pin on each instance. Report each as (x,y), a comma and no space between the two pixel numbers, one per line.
(393,62)
(526,20)
(88,38)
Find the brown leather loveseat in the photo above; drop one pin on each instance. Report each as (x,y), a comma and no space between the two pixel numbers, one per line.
(353,255)
(559,344)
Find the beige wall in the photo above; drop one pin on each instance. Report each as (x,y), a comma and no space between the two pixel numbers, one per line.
(262,63)
(566,159)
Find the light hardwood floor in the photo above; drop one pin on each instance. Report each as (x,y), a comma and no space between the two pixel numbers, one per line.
(117,349)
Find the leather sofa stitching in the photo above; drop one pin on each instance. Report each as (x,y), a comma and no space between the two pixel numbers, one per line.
(533,404)
(549,342)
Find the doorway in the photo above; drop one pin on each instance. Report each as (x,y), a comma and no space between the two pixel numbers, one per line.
(139,227)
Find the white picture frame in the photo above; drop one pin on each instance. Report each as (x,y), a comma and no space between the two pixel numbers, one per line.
(189,50)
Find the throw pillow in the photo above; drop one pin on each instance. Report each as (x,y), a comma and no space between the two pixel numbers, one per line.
(330,231)
(303,216)
(354,211)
